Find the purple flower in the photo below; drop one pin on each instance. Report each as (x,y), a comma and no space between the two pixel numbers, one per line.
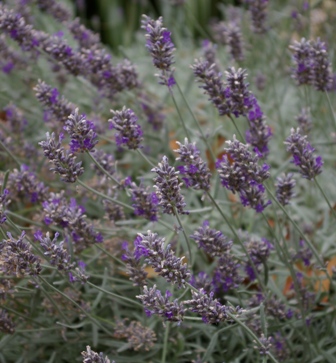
(304,120)
(161,48)
(196,170)
(129,132)
(303,155)
(81,131)
(284,188)
(145,203)
(211,241)
(155,303)
(161,258)
(168,188)
(258,10)
(92,357)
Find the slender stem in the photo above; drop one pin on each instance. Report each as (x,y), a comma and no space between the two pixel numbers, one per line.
(102,169)
(10,153)
(238,239)
(317,256)
(236,127)
(197,123)
(145,157)
(165,343)
(184,234)
(115,295)
(325,197)
(180,116)
(330,107)
(107,331)
(103,195)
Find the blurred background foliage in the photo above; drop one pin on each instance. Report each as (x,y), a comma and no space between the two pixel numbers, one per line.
(118,20)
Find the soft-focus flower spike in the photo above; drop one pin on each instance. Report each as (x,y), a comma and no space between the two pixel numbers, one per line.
(234,41)
(258,10)
(161,258)
(64,161)
(161,48)
(7,325)
(211,241)
(304,120)
(168,188)
(303,155)
(213,85)
(195,171)
(145,203)
(129,132)
(284,188)
(155,303)
(56,9)
(81,131)
(53,103)
(85,37)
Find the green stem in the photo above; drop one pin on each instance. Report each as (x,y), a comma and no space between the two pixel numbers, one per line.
(330,107)
(103,195)
(184,234)
(236,127)
(10,153)
(325,197)
(180,116)
(145,158)
(165,343)
(197,123)
(102,169)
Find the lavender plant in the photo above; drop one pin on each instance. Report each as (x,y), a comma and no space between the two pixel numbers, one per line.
(203,272)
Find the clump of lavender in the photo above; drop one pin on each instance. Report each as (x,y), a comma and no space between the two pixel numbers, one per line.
(211,311)
(15,118)
(145,203)
(312,64)
(226,275)
(211,241)
(303,155)
(201,281)
(161,48)
(133,267)
(266,345)
(285,188)
(195,171)
(244,175)
(84,36)
(24,184)
(15,26)
(10,58)
(304,254)
(3,204)
(92,357)
(258,10)
(209,51)
(63,160)
(234,41)
(53,103)
(155,303)
(212,84)
(72,219)
(6,323)
(168,187)
(129,132)
(259,134)
(81,131)
(139,337)
(321,66)
(162,258)
(259,250)
(17,258)
(56,252)
(55,9)
(304,120)
(238,94)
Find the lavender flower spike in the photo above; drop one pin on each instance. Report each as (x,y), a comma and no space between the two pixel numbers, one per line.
(196,171)
(129,132)
(92,357)
(212,84)
(81,131)
(64,162)
(168,187)
(303,155)
(285,185)
(258,10)
(303,61)
(161,48)
(155,303)
(161,258)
